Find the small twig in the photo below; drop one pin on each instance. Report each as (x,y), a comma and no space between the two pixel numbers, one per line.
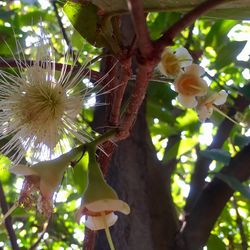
(6,63)
(143,39)
(65,36)
(118,94)
(190,36)
(137,97)
(186,20)
(8,221)
(239,222)
(33,247)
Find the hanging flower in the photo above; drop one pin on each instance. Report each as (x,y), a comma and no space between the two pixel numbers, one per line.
(171,63)
(189,85)
(40,105)
(100,213)
(100,200)
(42,180)
(206,104)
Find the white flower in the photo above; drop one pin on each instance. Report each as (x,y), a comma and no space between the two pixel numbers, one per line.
(171,64)
(39,105)
(100,200)
(206,104)
(189,85)
(41,181)
(100,213)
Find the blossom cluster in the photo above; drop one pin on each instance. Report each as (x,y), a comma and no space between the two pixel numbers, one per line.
(40,107)
(192,89)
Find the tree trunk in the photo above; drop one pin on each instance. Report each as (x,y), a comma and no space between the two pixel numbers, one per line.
(142,182)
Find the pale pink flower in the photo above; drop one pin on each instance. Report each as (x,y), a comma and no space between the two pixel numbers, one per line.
(100,213)
(189,85)
(171,63)
(206,104)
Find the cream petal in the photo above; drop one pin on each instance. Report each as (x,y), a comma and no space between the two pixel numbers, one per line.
(23,170)
(46,189)
(162,69)
(166,51)
(187,101)
(98,223)
(204,87)
(195,69)
(204,113)
(108,205)
(184,58)
(220,97)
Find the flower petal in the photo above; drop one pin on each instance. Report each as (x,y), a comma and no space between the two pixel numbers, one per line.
(220,97)
(203,87)
(108,205)
(23,170)
(202,113)
(187,101)
(184,58)
(98,222)
(195,69)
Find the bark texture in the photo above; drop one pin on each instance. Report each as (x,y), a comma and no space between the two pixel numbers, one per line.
(141,181)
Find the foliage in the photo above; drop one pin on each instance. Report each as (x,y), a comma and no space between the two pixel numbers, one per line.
(219,45)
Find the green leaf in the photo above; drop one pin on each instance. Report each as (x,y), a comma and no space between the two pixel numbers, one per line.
(234,184)
(245,91)
(156,111)
(228,53)
(161,23)
(228,10)
(217,36)
(85,19)
(215,243)
(172,153)
(241,140)
(80,173)
(217,155)
(186,145)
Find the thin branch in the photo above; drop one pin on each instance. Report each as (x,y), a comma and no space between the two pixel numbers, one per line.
(239,222)
(33,247)
(211,202)
(144,74)
(185,21)
(65,36)
(143,39)
(202,163)
(189,39)
(8,220)
(6,63)
(118,94)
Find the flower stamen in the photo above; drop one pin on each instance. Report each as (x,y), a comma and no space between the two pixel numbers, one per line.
(107,232)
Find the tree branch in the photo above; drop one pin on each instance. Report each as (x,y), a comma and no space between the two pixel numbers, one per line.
(239,222)
(188,19)
(143,75)
(202,163)
(34,246)
(143,39)
(65,36)
(211,202)
(125,74)
(6,63)
(8,220)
